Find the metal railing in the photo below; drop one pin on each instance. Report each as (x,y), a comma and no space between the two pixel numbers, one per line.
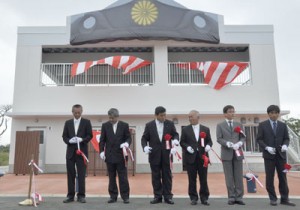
(180,73)
(59,74)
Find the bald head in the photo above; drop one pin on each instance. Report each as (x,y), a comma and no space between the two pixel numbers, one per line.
(194,117)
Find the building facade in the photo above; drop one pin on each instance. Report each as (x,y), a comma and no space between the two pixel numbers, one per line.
(44,90)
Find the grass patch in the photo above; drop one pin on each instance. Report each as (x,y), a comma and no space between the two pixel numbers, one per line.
(4,158)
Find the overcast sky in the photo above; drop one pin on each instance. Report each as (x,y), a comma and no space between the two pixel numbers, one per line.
(283,15)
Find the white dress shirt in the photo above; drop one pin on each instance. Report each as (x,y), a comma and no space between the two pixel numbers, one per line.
(196,129)
(76,124)
(160,129)
(115,127)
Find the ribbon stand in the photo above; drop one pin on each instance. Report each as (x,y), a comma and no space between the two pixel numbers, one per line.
(28,201)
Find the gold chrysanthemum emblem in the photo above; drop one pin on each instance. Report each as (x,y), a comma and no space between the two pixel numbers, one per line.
(144,13)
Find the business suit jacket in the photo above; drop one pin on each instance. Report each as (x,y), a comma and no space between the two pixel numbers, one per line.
(266,137)
(224,134)
(84,131)
(188,139)
(111,142)
(151,138)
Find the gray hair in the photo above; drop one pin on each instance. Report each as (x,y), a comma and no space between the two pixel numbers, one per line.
(113,112)
(195,112)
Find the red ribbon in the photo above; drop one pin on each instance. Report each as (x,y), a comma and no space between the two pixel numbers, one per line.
(216,154)
(287,167)
(170,158)
(127,150)
(206,161)
(85,159)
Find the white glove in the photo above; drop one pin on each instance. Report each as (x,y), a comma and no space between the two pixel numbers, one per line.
(73,140)
(284,148)
(190,149)
(147,149)
(173,151)
(207,148)
(175,142)
(78,139)
(126,145)
(240,143)
(235,146)
(102,155)
(229,144)
(271,150)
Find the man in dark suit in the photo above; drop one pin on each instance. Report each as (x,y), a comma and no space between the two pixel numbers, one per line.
(76,130)
(195,147)
(157,140)
(232,155)
(114,136)
(273,139)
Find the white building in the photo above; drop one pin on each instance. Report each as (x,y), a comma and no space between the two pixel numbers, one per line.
(45,92)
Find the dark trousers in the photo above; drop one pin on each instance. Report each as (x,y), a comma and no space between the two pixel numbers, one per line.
(112,169)
(192,170)
(270,166)
(71,174)
(161,180)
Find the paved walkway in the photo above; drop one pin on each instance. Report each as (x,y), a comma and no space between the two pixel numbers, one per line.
(55,203)
(55,185)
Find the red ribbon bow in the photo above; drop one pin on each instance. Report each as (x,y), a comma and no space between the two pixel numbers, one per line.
(287,167)
(206,161)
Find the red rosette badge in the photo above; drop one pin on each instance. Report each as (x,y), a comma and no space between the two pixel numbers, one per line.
(238,129)
(202,137)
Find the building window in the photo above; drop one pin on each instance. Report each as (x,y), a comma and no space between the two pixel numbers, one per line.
(250,144)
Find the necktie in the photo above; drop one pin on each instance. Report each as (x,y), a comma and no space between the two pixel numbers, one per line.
(274,127)
(230,125)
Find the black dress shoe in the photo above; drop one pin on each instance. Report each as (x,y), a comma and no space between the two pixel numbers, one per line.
(240,202)
(169,201)
(231,202)
(156,200)
(68,200)
(205,203)
(112,200)
(81,200)
(273,203)
(193,202)
(126,201)
(288,203)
